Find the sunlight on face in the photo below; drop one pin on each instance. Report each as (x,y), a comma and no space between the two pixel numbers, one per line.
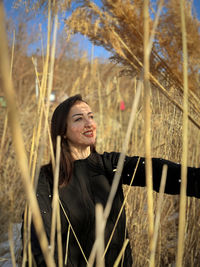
(81,127)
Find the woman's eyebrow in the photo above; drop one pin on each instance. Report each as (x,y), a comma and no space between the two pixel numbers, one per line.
(78,114)
(81,114)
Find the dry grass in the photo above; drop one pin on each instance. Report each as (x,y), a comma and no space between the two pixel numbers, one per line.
(102,85)
(166,143)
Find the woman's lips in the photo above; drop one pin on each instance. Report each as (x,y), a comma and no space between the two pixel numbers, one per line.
(88,133)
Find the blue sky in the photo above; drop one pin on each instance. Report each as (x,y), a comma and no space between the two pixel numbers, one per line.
(84,43)
(197,7)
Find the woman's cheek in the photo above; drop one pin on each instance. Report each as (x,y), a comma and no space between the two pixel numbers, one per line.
(94,126)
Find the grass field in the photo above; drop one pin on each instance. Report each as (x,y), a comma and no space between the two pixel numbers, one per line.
(104,87)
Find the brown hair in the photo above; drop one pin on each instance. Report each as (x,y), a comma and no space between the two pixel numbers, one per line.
(59,127)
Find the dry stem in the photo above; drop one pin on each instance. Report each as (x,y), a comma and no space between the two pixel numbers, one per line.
(182,215)
(18,140)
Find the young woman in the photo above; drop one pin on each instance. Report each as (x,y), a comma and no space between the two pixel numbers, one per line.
(85,179)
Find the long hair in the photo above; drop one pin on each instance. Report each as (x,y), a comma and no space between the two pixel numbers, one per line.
(59,127)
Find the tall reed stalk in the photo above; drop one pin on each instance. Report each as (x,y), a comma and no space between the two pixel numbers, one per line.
(155,24)
(117,262)
(37,133)
(100,107)
(122,207)
(18,140)
(6,116)
(70,228)
(120,164)
(55,203)
(157,219)
(100,262)
(182,215)
(12,250)
(147,99)
(3,136)
(42,96)
(56,224)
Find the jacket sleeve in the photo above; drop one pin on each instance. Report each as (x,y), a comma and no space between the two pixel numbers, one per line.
(173,181)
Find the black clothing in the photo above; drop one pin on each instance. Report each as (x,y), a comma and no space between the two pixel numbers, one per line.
(90,184)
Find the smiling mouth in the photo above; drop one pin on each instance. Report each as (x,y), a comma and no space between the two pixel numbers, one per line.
(88,134)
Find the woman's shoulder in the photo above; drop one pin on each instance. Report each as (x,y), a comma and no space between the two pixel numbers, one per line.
(111,155)
(105,159)
(46,174)
(46,169)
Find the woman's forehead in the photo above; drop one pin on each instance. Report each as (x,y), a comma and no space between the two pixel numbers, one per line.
(80,107)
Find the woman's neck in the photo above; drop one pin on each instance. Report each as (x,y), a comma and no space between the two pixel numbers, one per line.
(79,153)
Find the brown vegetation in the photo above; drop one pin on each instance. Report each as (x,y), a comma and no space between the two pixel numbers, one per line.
(118,26)
(104,87)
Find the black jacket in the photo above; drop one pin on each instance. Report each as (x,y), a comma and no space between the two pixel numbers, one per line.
(90,184)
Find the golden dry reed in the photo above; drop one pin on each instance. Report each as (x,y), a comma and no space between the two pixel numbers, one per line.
(56,223)
(99,236)
(55,197)
(6,116)
(123,205)
(11,243)
(117,262)
(18,140)
(104,87)
(158,214)
(182,216)
(148,164)
(42,111)
(120,164)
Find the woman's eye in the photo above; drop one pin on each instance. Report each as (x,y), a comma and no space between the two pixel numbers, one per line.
(78,119)
(92,117)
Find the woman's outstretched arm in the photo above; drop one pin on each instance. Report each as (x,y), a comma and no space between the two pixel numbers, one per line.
(173,181)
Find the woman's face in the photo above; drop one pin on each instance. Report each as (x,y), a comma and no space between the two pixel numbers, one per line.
(81,127)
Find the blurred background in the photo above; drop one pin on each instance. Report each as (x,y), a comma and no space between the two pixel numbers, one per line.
(99,54)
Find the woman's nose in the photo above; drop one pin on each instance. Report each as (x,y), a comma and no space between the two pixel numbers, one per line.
(88,123)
